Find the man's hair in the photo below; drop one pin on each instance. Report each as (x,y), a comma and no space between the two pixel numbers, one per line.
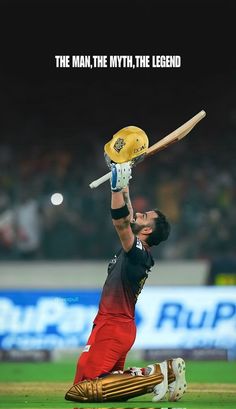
(161,229)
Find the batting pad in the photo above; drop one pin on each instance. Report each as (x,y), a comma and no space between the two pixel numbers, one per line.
(113,387)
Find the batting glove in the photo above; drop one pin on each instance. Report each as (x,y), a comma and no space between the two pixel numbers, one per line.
(120,175)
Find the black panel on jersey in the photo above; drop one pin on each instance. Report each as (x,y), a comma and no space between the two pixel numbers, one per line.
(127,273)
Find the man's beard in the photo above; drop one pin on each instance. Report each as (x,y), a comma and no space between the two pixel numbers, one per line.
(135,227)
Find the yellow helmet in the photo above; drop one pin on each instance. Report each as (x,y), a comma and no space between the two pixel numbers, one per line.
(127,144)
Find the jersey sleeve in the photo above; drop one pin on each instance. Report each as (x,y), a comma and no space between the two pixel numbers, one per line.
(137,253)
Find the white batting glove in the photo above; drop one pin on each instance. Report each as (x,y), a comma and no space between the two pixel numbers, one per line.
(120,175)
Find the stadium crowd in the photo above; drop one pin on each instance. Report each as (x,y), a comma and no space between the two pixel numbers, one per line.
(192,183)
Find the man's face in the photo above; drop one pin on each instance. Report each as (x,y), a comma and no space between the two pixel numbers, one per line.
(142,220)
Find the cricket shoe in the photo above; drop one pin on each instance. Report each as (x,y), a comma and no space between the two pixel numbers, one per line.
(178,386)
(161,388)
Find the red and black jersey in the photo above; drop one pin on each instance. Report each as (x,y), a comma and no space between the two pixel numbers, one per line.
(127,273)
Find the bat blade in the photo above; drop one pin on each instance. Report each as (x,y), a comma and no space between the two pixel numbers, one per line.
(176,135)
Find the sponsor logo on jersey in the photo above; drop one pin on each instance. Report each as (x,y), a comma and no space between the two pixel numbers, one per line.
(86,348)
(139,244)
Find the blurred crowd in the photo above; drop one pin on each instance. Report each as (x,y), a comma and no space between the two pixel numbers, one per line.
(193,183)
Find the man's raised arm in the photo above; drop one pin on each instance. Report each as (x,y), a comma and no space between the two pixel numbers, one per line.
(121,208)
(127,200)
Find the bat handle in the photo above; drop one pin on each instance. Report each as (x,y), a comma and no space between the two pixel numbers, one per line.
(99,181)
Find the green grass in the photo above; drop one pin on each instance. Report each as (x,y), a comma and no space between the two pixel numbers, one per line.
(43,385)
(197,371)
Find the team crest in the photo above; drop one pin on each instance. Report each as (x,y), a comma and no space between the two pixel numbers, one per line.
(120,143)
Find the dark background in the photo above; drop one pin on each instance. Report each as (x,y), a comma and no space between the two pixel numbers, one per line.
(45,110)
(65,101)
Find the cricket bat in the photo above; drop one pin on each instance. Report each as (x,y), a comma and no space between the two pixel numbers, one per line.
(163,143)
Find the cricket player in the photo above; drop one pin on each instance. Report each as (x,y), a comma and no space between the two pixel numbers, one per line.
(100,374)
